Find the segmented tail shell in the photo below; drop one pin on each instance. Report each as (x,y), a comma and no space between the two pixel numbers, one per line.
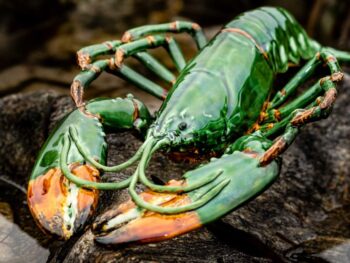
(278,34)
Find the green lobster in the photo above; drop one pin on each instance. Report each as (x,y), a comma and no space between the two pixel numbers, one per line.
(223,100)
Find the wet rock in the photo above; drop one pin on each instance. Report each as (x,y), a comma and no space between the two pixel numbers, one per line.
(24,121)
(303,217)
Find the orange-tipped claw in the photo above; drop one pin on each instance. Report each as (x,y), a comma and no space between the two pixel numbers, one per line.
(59,206)
(128,223)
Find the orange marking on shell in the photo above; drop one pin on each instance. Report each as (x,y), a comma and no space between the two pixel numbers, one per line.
(283,92)
(165,94)
(277,115)
(176,182)
(95,69)
(151,40)
(47,199)
(303,117)
(256,127)
(127,37)
(274,151)
(318,55)
(111,64)
(119,58)
(148,196)
(83,59)
(173,26)
(322,80)
(262,116)
(108,44)
(168,39)
(136,113)
(337,76)
(158,227)
(153,226)
(331,59)
(250,153)
(329,99)
(292,65)
(318,100)
(247,35)
(77,93)
(196,27)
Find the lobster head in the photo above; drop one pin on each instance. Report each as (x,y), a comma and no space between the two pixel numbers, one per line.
(186,119)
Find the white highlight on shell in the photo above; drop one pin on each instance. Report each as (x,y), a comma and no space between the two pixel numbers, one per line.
(183,113)
(122,218)
(292,44)
(283,55)
(70,209)
(207,115)
(301,40)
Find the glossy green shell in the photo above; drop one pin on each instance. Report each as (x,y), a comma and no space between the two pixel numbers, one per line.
(221,92)
(91,133)
(247,180)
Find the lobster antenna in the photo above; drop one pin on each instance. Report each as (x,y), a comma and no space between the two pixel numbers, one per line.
(168,188)
(82,182)
(74,135)
(150,148)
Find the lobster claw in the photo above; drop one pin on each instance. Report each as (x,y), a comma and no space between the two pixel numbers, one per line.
(241,174)
(62,191)
(59,206)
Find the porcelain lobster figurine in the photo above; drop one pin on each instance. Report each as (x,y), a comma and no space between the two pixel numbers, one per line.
(223,100)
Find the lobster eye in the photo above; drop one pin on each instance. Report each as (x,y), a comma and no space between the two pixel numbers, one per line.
(182,126)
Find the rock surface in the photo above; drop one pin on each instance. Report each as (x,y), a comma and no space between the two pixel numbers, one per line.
(303,217)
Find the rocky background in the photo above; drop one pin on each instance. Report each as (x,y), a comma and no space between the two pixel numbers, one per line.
(303,217)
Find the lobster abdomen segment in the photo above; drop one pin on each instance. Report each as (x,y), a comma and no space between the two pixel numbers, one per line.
(278,34)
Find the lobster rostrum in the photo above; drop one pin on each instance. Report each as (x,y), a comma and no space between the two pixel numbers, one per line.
(223,100)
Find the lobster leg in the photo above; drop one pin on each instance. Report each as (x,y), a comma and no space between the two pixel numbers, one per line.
(311,94)
(88,54)
(300,102)
(91,70)
(175,27)
(320,109)
(142,44)
(84,78)
(342,56)
(324,56)
(116,65)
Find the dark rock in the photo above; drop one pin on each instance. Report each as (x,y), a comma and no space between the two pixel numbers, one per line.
(24,122)
(303,217)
